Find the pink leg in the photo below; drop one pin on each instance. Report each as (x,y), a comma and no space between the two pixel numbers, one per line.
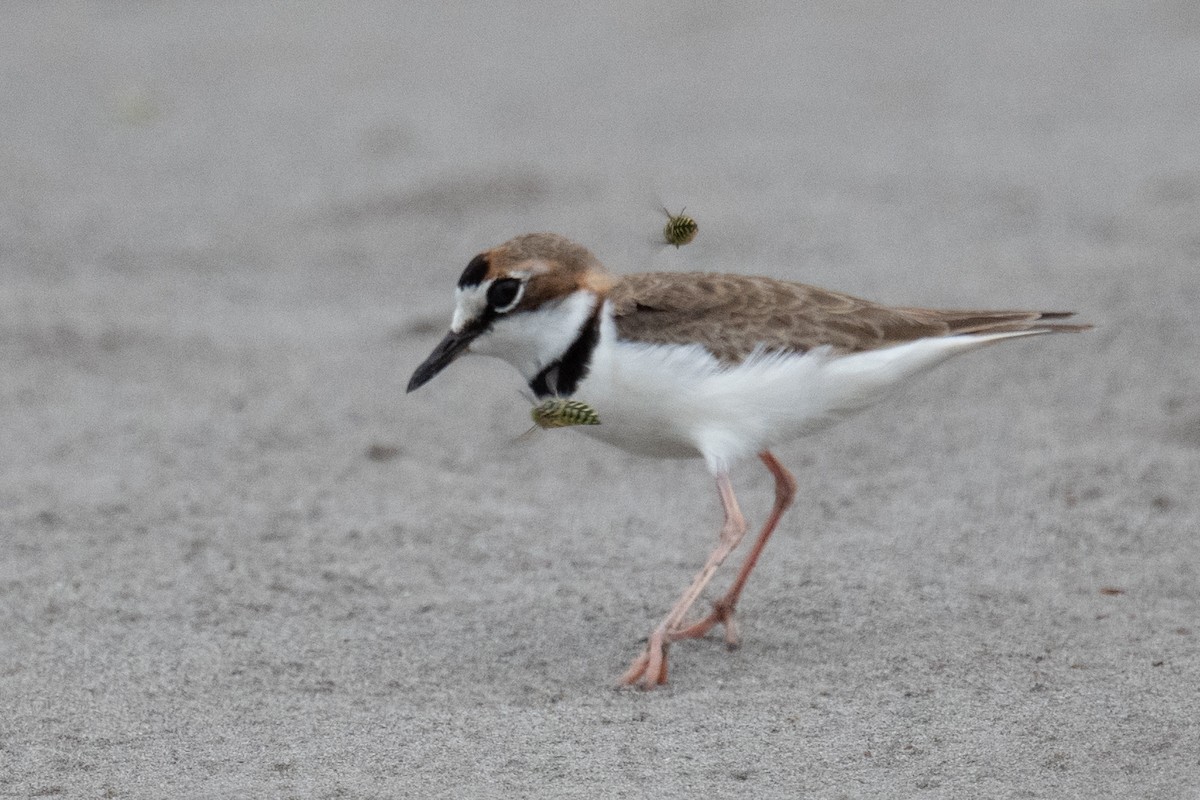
(650,668)
(722,613)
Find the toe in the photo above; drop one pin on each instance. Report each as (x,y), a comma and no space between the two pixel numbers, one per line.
(636,670)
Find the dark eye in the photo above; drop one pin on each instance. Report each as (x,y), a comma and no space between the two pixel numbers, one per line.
(503,293)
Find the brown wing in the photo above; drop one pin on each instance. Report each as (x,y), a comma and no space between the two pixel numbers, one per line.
(731,315)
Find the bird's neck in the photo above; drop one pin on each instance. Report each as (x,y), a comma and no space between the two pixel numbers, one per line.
(550,346)
(561,375)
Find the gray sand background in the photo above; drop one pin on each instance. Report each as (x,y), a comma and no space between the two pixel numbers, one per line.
(237,561)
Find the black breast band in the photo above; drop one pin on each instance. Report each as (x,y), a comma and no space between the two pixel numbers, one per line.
(560,377)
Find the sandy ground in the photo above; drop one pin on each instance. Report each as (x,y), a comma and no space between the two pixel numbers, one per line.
(236,560)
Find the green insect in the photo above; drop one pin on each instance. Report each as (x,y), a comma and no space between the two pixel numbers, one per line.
(557,412)
(680,229)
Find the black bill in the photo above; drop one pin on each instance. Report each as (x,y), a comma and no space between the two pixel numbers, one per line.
(450,348)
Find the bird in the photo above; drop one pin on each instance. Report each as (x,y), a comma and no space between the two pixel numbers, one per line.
(721,367)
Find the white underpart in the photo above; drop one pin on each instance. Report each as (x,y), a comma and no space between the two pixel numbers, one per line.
(679,401)
(529,340)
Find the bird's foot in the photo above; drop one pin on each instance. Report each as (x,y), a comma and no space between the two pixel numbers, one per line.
(650,668)
(721,614)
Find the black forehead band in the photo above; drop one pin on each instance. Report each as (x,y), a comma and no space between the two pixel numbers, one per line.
(475,272)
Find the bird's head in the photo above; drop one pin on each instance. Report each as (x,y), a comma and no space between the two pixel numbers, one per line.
(524,301)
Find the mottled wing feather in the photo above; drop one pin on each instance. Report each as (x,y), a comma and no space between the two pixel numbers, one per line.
(732,315)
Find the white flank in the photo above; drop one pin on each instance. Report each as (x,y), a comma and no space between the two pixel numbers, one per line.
(678,401)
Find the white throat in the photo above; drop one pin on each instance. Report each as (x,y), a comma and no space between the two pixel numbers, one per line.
(530,340)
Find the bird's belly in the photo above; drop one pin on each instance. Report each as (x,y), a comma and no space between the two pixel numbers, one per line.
(677,401)
(645,434)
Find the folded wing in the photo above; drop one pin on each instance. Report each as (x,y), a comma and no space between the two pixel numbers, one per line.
(732,315)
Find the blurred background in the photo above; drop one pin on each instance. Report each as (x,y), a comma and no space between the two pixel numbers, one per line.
(229,232)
